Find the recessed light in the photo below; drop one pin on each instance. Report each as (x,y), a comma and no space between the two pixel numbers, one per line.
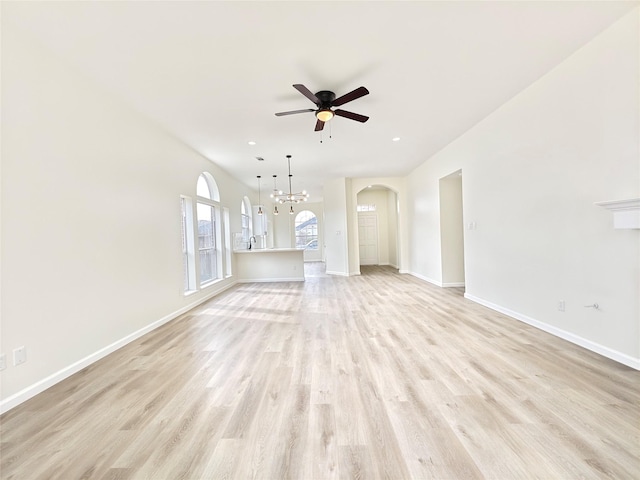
(396,139)
(251,142)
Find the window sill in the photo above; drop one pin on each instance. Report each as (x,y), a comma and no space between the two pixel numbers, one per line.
(211,283)
(205,286)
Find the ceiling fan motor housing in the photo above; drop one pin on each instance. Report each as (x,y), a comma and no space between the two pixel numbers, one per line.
(326,98)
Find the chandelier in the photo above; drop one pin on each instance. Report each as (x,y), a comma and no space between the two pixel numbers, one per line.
(281,197)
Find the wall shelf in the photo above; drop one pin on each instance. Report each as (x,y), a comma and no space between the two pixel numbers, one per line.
(626,213)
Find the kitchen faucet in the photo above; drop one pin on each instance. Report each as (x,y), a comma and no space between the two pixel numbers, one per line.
(252,239)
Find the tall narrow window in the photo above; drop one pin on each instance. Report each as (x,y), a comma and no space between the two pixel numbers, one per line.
(227,243)
(207,242)
(209,235)
(306,230)
(247,227)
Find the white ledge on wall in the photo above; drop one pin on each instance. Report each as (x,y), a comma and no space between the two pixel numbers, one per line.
(626,213)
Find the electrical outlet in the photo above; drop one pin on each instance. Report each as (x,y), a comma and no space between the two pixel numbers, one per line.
(19,356)
(3,361)
(561,306)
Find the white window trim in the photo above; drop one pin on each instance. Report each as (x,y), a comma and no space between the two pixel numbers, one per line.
(214,202)
(187,212)
(226,237)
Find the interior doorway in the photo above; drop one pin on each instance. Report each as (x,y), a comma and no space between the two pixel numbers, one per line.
(378,243)
(452,230)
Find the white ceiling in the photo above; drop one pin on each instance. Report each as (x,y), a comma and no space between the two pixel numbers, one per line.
(213,74)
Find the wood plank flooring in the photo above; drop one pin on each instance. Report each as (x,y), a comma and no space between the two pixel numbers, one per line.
(370,377)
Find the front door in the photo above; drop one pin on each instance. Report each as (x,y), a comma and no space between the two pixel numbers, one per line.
(368,238)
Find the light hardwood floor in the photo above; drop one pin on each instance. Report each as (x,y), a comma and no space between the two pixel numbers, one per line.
(376,376)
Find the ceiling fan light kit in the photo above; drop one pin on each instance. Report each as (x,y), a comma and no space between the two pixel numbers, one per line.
(324,115)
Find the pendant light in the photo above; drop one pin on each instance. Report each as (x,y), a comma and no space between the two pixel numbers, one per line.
(259,199)
(274,195)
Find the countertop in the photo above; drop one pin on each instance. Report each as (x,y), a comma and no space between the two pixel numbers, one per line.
(269,250)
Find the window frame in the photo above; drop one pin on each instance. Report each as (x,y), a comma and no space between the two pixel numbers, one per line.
(210,250)
(189,283)
(208,198)
(226,225)
(308,236)
(246,220)
(366,208)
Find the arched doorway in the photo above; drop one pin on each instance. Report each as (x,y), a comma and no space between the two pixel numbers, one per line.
(378,239)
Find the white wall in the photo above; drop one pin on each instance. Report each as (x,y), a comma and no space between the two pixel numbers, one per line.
(532,172)
(336,238)
(451,230)
(282,228)
(392,219)
(91,246)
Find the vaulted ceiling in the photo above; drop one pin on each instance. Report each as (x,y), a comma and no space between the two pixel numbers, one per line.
(213,74)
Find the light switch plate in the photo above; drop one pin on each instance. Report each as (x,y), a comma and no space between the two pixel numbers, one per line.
(19,356)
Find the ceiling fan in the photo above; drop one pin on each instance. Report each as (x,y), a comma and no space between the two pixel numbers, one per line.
(325,100)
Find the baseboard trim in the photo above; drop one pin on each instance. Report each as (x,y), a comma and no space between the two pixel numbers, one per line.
(619,357)
(271,280)
(453,285)
(40,386)
(340,274)
(426,279)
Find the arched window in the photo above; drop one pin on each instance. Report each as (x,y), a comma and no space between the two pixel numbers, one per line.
(207,187)
(209,231)
(306,230)
(206,236)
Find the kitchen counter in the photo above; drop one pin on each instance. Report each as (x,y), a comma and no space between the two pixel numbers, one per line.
(269,250)
(270,265)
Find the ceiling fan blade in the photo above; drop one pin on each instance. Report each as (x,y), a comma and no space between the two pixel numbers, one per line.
(348,97)
(293,112)
(350,115)
(307,93)
(319,125)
